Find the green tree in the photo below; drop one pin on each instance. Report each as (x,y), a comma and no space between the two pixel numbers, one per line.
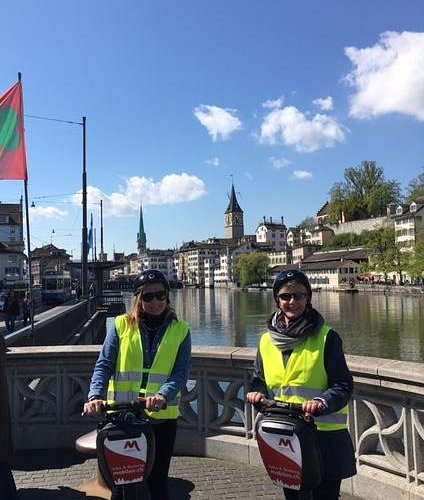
(364,193)
(343,241)
(415,189)
(386,255)
(252,268)
(416,262)
(401,259)
(380,259)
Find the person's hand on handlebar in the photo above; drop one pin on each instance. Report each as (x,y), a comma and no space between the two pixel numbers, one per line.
(313,407)
(156,402)
(95,407)
(254,398)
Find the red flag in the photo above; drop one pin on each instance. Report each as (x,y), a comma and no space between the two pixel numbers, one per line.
(13,164)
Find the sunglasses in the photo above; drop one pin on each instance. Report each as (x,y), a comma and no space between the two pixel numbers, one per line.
(286,297)
(149,296)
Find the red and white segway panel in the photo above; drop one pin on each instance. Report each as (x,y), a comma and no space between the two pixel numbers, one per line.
(281,453)
(126,459)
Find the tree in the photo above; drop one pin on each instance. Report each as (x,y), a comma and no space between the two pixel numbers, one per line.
(364,193)
(416,189)
(416,263)
(308,223)
(344,241)
(401,259)
(252,268)
(386,255)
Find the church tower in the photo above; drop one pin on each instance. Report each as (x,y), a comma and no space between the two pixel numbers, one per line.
(141,235)
(234,227)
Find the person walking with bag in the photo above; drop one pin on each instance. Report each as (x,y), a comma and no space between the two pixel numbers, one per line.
(300,359)
(146,353)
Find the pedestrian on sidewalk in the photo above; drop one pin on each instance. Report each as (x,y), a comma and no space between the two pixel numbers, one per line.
(11,310)
(7,483)
(146,353)
(78,292)
(300,359)
(27,308)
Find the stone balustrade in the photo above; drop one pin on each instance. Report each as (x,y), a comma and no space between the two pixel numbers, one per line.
(48,386)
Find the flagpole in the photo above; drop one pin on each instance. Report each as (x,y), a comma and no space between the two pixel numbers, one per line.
(28,245)
(94,246)
(101,230)
(31,304)
(84,256)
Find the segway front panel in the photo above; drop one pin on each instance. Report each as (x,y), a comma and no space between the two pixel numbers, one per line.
(125,453)
(289,450)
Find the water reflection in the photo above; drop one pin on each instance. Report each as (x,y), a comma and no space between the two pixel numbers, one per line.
(387,326)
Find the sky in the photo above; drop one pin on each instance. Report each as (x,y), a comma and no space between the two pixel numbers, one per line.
(184,97)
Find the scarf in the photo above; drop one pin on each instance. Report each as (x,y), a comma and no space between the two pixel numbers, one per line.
(287,337)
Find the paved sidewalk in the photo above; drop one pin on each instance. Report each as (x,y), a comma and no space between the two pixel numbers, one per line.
(55,475)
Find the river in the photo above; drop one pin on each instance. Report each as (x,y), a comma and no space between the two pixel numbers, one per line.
(370,324)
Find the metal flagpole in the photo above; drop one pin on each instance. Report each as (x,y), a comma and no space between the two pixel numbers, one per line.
(84,253)
(31,304)
(101,231)
(31,309)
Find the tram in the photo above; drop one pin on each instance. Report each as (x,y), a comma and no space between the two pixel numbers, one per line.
(55,287)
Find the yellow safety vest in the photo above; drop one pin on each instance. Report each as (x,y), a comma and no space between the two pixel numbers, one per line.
(125,384)
(303,378)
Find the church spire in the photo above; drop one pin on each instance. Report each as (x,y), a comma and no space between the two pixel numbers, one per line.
(141,235)
(234,226)
(233,206)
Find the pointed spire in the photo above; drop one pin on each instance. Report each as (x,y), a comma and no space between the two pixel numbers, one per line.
(141,235)
(141,223)
(233,206)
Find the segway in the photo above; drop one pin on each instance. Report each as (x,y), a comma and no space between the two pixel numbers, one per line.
(126,448)
(288,446)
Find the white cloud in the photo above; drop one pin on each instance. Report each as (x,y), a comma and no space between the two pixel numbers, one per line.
(293,128)
(389,76)
(324,103)
(172,189)
(279,163)
(39,214)
(272,104)
(301,175)
(218,121)
(215,162)
(248,176)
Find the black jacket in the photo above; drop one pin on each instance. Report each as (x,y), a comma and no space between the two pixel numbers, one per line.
(11,305)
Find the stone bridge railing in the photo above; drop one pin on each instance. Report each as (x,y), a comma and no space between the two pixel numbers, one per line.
(48,386)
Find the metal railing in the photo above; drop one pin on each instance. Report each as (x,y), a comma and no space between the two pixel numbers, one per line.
(48,386)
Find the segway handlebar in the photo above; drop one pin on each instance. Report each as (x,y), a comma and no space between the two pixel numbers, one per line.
(128,405)
(266,404)
(136,405)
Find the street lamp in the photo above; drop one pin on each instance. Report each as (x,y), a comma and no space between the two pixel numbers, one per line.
(84,243)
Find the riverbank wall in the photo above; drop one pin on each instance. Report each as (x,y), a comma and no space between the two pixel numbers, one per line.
(377,288)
